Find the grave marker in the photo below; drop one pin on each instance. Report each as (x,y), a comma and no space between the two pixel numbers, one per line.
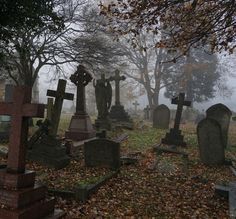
(174,137)
(161,117)
(80,125)
(136,104)
(147,112)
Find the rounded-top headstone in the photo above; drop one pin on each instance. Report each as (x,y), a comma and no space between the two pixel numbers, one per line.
(210,142)
(161,117)
(222,115)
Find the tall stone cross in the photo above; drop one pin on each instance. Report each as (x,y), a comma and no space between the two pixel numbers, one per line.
(20,109)
(117,78)
(59,95)
(147,112)
(136,104)
(180,101)
(81,78)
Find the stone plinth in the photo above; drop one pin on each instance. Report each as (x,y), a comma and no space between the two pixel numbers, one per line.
(80,128)
(103,124)
(118,113)
(23,199)
(50,152)
(174,137)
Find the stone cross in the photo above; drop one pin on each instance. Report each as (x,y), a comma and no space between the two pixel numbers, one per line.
(20,109)
(147,112)
(81,78)
(49,109)
(180,103)
(59,95)
(136,104)
(117,78)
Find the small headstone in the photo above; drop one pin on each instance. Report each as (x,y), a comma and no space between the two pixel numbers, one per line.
(102,152)
(222,115)
(161,117)
(136,104)
(147,112)
(210,142)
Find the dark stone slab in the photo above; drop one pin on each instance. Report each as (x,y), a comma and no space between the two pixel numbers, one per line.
(210,142)
(222,115)
(222,190)
(118,113)
(102,152)
(161,117)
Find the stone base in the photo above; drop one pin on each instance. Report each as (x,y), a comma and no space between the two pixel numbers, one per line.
(174,138)
(103,124)
(118,113)
(22,199)
(49,152)
(80,128)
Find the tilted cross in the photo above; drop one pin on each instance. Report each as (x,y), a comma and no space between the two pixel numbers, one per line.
(180,103)
(136,104)
(117,78)
(19,109)
(81,78)
(59,95)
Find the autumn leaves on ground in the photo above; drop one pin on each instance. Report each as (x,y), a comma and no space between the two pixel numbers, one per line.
(160,186)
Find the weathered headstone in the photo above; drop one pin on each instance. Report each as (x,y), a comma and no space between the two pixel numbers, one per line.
(5,120)
(147,112)
(102,152)
(210,142)
(48,150)
(222,115)
(118,112)
(80,127)
(174,137)
(20,196)
(103,93)
(136,104)
(161,117)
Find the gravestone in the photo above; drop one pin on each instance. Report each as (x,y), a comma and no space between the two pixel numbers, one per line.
(210,142)
(136,104)
(118,112)
(48,149)
(147,112)
(20,196)
(102,152)
(174,137)
(103,94)
(80,127)
(222,115)
(6,120)
(161,117)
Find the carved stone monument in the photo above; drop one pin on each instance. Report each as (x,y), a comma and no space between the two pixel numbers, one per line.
(48,149)
(80,125)
(161,117)
(103,93)
(222,115)
(118,112)
(136,104)
(147,112)
(20,196)
(174,137)
(210,142)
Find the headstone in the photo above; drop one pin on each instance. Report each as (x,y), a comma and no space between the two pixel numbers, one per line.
(45,147)
(174,137)
(210,142)
(6,120)
(103,93)
(136,104)
(147,112)
(80,127)
(118,112)
(222,115)
(161,117)
(102,152)
(20,196)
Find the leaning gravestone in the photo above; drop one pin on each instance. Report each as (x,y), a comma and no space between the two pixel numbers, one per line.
(102,152)
(210,142)
(222,115)
(161,117)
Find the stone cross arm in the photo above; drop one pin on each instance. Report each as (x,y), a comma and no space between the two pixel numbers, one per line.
(53,93)
(180,99)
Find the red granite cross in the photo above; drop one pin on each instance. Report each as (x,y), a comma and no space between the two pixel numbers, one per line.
(19,110)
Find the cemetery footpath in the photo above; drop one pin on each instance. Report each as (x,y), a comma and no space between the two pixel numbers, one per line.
(157,185)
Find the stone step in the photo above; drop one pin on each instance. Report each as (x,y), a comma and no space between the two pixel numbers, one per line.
(38,210)
(20,198)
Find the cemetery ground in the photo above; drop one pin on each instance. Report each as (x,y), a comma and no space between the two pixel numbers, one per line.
(160,186)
